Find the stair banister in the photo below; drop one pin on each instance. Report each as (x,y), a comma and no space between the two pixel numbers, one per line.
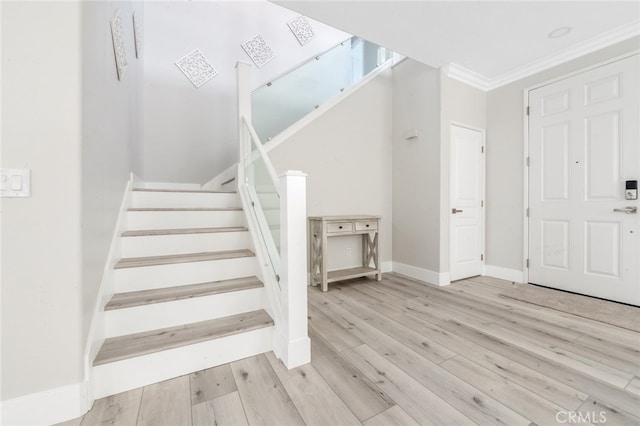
(286,278)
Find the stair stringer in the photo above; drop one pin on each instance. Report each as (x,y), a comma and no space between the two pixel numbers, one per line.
(273,305)
(97,328)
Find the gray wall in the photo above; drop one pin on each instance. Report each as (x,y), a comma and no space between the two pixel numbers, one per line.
(67,119)
(346,153)
(505,157)
(41,241)
(416,165)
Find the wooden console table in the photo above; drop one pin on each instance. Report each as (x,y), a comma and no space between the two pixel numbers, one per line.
(324,227)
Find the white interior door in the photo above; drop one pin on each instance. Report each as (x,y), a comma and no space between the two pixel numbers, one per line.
(466,237)
(584,137)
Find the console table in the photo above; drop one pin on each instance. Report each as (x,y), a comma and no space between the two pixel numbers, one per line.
(324,227)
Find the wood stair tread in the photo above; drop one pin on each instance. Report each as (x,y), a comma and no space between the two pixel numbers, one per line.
(202,191)
(159,295)
(134,345)
(180,231)
(136,262)
(184,209)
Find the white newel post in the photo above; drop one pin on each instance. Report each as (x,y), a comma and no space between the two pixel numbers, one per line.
(293,280)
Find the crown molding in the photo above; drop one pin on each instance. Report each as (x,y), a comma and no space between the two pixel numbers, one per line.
(481,82)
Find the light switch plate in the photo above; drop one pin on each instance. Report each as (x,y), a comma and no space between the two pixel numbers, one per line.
(15,183)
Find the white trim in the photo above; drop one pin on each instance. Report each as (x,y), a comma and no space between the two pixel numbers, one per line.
(472,78)
(525,191)
(479,81)
(97,328)
(47,407)
(307,119)
(386,266)
(504,273)
(431,277)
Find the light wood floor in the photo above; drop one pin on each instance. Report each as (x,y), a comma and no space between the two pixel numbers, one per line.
(402,353)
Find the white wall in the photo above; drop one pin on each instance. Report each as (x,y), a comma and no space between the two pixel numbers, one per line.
(69,120)
(416,165)
(189,133)
(346,153)
(41,240)
(505,157)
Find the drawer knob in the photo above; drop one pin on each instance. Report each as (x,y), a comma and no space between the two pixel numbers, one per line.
(367,225)
(340,227)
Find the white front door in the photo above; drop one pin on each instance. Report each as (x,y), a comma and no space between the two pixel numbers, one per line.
(584,143)
(466,202)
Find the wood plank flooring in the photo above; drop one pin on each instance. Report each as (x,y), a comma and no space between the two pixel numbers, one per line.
(400,352)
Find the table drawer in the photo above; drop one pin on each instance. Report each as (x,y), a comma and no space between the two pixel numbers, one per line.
(366,225)
(339,227)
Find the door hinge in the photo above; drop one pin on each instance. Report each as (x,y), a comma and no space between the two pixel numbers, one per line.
(482,150)
(528,110)
(481,203)
(482,257)
(527,263)
(528,161)
(253,204)
(527,211)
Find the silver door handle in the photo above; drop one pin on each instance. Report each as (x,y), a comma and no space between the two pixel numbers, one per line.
(454,211)
(627,210)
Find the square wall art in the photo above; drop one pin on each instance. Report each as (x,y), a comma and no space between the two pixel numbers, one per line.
(196,68)
(258,50)
(302,29)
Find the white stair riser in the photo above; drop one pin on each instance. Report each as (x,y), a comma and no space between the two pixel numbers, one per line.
(162,276)
(159,245)
(143,199)
(120,322)
(132,373)
(141,220)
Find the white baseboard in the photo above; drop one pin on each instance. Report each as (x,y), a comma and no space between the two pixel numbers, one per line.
(48,407)
(504,273)
(431,277)
(298,353)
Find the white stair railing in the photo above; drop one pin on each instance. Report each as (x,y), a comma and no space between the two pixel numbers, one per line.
(276,215)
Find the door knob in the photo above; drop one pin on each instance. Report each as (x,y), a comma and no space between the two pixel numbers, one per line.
(454,211)
(627,210)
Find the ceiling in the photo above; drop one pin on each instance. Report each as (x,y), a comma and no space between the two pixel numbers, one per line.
(490,43)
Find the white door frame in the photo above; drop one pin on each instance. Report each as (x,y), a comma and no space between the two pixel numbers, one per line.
(525,98)
(483,174)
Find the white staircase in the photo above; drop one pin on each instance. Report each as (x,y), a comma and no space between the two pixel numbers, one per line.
(186,292)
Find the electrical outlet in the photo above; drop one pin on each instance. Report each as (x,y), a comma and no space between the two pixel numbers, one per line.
(349,251)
